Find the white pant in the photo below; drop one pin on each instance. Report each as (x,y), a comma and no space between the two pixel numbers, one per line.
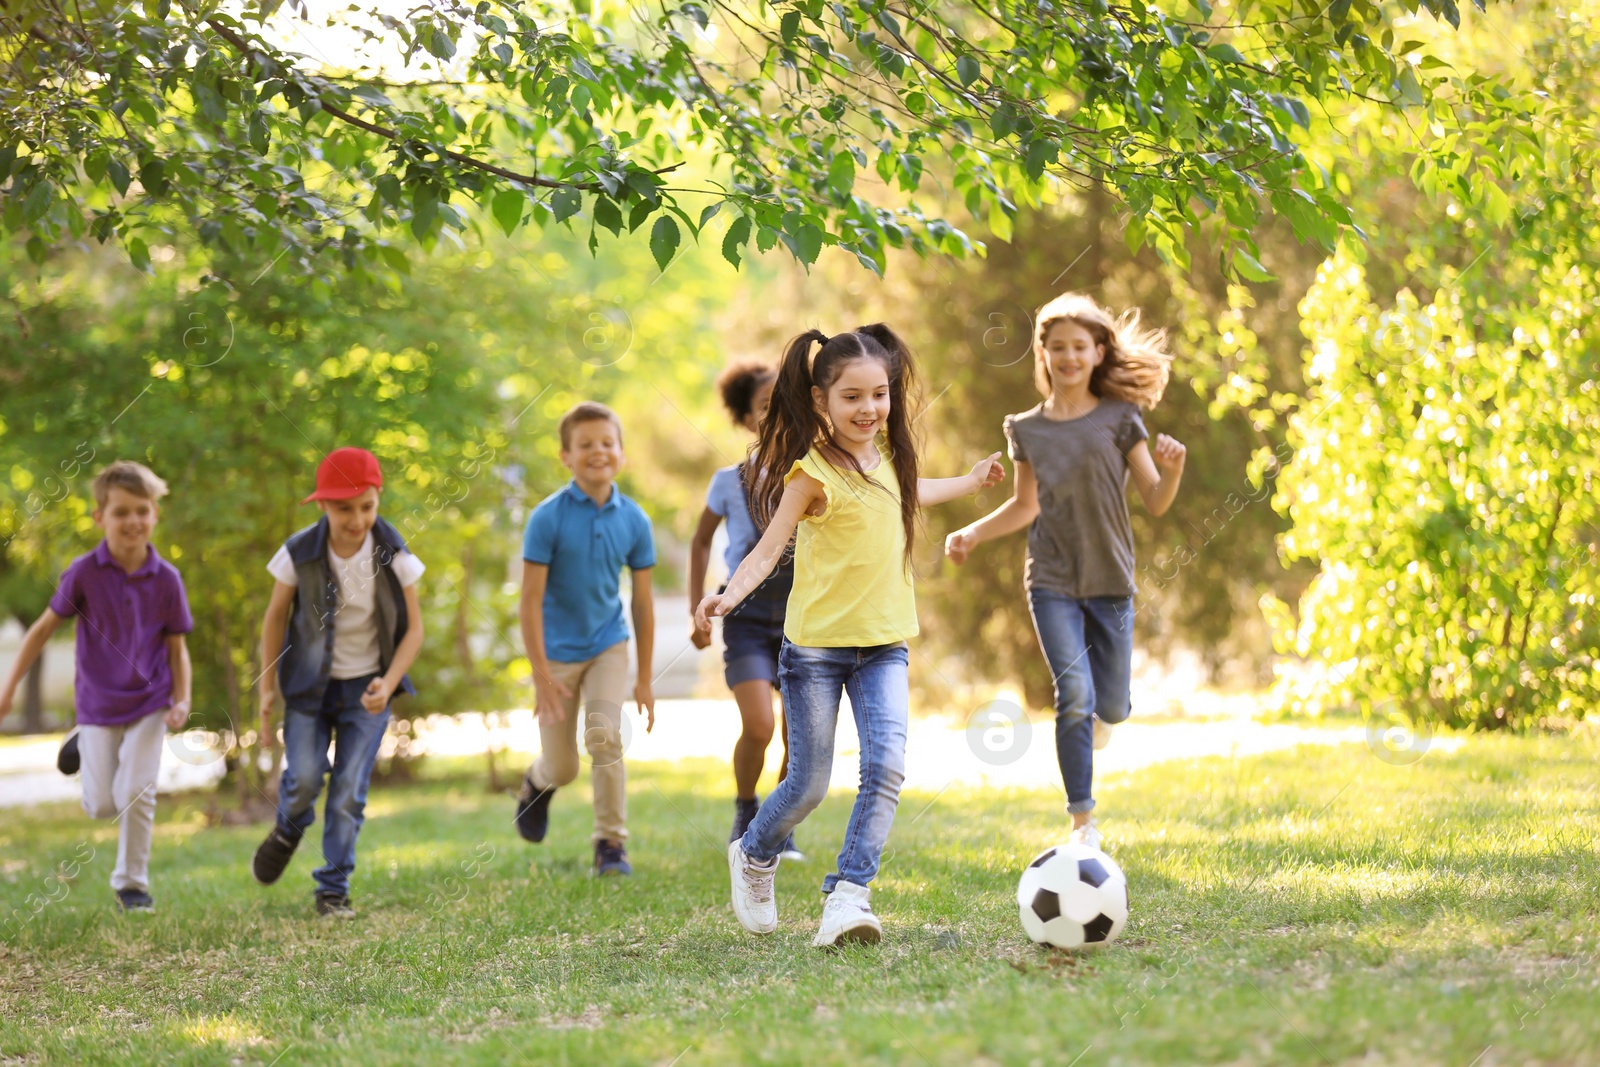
(118,768)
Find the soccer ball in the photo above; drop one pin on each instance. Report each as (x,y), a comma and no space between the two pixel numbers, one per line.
(1073,897)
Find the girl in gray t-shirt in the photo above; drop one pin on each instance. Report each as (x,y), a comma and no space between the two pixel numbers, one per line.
(1073,455)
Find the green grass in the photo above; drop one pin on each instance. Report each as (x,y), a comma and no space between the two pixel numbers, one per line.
(1308,907)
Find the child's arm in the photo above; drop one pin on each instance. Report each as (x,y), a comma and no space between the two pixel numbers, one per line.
(33,643)
(548,692)
(803,495)
(182,676)
(272,627)
(644,632)
(1013,515)
(699,556)
(986,472)
(380,689)
(1157,489)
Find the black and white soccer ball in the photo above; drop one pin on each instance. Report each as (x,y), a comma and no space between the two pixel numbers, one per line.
(1073,897)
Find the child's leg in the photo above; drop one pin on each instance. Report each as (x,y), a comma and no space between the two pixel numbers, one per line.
(605,684)
(812,680)
(357,736)
(880,698)
(97,752)
(133,790)
(557,763)
(306,735)
(1108,633)
(754,698)
(1058,620)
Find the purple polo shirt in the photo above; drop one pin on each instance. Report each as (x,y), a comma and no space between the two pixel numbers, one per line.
(123,623)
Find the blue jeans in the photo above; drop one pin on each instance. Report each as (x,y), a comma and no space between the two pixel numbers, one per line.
(357,734)
(811,680)
(1089,646)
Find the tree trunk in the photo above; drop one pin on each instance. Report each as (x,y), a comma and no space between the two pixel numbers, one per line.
(33,697)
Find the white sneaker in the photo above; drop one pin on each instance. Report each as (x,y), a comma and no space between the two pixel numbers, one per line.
(753,903)
(1102,733)
(1087,834)
(847,916)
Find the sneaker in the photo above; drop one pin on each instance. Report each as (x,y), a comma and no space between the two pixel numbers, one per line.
(274,855)
(753,903)
(135,900)
(67,760)
(847,916)
(334,906)
(1102,733)
(1087,834)
(533,810)
(790,851)
(610,857)
(744,812)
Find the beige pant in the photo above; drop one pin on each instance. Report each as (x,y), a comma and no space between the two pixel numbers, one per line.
(119,766)
(602,683)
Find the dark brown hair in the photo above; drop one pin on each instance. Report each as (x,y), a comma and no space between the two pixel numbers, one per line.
(1136,364)
(738,384)
(793,425)
(586,411)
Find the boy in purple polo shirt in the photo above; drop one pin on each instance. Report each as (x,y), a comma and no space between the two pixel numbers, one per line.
(132,665)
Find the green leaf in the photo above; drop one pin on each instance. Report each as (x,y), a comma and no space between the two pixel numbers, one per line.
(507,209)
(565,203)
(664,238)
(1226,53)
(789,27)
(607,214)
(139,254)
(738,234)
(967,70)
(808,244)
(709,212)
(1249,267)
(38,201)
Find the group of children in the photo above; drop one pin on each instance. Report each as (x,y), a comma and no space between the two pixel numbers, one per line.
(819,603)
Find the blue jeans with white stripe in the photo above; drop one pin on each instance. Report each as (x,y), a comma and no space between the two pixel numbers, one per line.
(1088,643)
(812,681)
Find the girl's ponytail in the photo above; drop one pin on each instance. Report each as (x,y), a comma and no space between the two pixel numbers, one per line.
(791,427)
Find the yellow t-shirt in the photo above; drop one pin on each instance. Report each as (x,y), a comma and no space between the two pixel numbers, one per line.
(851,584)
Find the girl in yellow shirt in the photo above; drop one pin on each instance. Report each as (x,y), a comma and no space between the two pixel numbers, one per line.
(840,477)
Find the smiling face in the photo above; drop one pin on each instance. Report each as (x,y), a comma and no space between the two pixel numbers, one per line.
(593,453)
(128,520)
(1071,355)
(856,405)
(349,520)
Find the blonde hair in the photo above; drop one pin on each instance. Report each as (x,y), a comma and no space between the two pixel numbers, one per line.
(1136,364)
(130,477)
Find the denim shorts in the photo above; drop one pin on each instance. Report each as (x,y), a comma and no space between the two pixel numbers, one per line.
(751,639)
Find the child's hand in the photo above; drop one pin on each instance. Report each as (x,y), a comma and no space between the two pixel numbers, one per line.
(958,544)
(988,472)
(709,608)
(548,693)
(1169,454)
(5,704)
(646,700)
(376,698)
(699,638)
(177,715)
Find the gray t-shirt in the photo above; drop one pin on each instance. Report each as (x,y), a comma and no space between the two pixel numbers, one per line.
(1081,544)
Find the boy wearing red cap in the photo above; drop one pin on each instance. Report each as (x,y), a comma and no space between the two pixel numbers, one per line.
(343,626)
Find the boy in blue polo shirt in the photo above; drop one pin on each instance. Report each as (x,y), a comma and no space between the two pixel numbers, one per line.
(577,541)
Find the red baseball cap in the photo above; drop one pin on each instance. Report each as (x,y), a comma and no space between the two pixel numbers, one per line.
(344,473)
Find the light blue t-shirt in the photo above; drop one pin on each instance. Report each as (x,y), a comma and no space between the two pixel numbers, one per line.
(726,498)
(586,548)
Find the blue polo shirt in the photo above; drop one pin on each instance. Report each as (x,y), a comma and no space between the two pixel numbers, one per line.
(586,547)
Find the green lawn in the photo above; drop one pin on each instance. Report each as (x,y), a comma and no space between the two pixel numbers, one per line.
(1309,907)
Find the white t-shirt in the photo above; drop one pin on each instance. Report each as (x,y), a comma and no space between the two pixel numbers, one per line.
(355,631)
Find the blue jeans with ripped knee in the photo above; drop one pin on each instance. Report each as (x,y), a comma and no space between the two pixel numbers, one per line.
(1088,643)
(812,681)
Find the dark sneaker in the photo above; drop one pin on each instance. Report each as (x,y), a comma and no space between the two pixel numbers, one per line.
(790,851)
(744,812)
(533,811)
(611,858)
(67,760)
(334,906)
(135,900)
(273,855)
